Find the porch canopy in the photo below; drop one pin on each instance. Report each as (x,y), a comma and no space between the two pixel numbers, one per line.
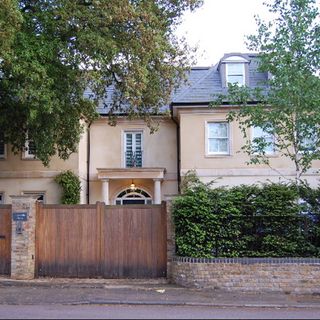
(107,174)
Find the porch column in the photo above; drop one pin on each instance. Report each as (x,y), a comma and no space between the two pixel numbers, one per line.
(105,191)
(157,191)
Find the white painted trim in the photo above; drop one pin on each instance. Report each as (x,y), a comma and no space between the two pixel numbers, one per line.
(241,172)
(124,145)
(243,72)
(217,154)
(27,174)
(236,59)
(115,198)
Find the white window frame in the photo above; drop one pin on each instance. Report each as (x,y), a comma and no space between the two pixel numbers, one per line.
(133,132)
(266,135)
(243,74)
(138,195)
(36,194)
(228,137)
(26,154)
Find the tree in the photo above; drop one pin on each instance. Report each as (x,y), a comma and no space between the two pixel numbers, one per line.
(289,110)
(10,20)
(54,49)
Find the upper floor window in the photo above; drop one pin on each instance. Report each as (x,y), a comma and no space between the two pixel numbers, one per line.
(263,138)
(218,138)
(235,73)
(1,198)
(29,150)
(234,69)
(309,142)
(133,149)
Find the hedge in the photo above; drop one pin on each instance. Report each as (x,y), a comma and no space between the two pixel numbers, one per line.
(271,220)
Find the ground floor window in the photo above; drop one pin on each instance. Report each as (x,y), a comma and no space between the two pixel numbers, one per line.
(41,196)
(138,196)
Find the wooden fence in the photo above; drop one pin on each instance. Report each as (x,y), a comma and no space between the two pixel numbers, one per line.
(5,239)
(101,241)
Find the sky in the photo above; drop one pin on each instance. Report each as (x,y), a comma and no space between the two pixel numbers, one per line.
(220,26)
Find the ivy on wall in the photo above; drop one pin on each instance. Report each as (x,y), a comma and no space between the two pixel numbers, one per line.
(71,187)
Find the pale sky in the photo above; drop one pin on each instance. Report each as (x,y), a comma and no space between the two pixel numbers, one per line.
(220,26)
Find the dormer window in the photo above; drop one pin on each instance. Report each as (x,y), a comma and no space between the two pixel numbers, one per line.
(234,70)
(235,73)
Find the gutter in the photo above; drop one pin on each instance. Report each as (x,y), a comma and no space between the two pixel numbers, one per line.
(88,162)
(178,147)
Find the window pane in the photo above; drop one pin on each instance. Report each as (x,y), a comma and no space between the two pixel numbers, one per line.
(138,139)
(258,132)
(133,154)
(218,130)
(235,68)
(235,79)
(1,198)
(129,141)
(223,145)
(213,146)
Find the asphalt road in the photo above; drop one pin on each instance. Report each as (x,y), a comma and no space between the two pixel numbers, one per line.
(151,312)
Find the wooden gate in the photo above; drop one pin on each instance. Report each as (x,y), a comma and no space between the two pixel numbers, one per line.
(101,241)
(5,239)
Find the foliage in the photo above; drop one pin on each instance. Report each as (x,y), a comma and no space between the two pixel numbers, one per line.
(10,20)
(71,186)
(247,221)
(51,51)
(290,108)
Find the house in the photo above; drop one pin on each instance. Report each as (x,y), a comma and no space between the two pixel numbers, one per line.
(126,164)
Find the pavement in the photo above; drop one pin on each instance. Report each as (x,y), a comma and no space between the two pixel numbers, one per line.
(66,291)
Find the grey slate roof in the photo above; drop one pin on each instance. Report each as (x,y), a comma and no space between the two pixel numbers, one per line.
(201,85)
(204,83)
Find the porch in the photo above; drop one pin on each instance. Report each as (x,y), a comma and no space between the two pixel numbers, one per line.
(148,187)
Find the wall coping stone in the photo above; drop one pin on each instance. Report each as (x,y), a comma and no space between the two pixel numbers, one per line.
(246,260)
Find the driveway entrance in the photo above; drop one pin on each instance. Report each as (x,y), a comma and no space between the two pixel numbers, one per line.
(101,241)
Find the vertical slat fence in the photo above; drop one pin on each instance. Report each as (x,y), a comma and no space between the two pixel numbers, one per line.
(5,239)
(101,241)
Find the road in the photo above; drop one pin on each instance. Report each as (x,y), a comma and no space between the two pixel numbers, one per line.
(151,312)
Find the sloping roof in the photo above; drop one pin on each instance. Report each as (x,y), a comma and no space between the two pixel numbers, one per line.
(202,84)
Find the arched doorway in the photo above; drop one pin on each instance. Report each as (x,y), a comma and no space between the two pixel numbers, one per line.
(138,196)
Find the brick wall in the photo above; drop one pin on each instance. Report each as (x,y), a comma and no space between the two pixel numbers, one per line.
(170,237)
(289,275)
(23,243)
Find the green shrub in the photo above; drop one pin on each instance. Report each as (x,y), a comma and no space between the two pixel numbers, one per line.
(254,221)
(71,187)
